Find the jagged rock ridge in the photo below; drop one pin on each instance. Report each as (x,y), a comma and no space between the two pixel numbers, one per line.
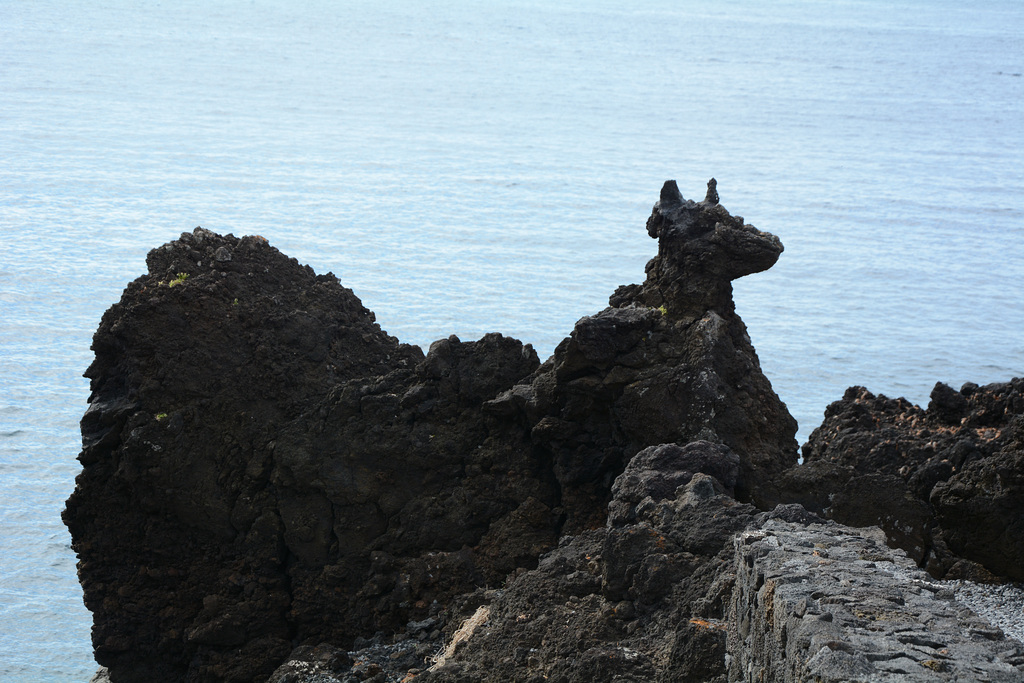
(946,482)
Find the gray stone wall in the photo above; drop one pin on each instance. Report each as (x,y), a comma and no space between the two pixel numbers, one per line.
(825,602)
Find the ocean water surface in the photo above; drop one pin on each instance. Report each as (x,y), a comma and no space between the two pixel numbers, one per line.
(468,169)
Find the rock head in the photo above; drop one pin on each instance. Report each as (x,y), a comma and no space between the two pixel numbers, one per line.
(701,250)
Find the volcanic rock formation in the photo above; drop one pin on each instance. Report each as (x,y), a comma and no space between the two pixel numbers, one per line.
(269,477)
(642,600)
(946,483)
(698,588)
(265,468)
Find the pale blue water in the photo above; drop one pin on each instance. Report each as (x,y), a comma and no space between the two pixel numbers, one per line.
(467,169)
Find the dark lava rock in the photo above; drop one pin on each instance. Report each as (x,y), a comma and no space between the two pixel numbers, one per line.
(656,472)
(980,511)
(945,483)
(701,250)
(265,469)
(643,601)
(670,362)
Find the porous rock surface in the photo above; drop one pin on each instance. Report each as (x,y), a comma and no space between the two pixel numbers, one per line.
(690,585)
(265,469)
(946,482)
(643,600)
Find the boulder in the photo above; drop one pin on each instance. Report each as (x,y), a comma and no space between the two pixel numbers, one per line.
(656,472)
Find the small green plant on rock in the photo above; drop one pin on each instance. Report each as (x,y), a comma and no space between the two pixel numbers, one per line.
(178,280)
(160,417)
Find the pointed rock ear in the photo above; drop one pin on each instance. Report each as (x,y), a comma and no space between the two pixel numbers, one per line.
(712,195)
(671,199)
(670,194)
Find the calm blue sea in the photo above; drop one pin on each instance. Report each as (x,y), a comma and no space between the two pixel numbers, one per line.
(469,168)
